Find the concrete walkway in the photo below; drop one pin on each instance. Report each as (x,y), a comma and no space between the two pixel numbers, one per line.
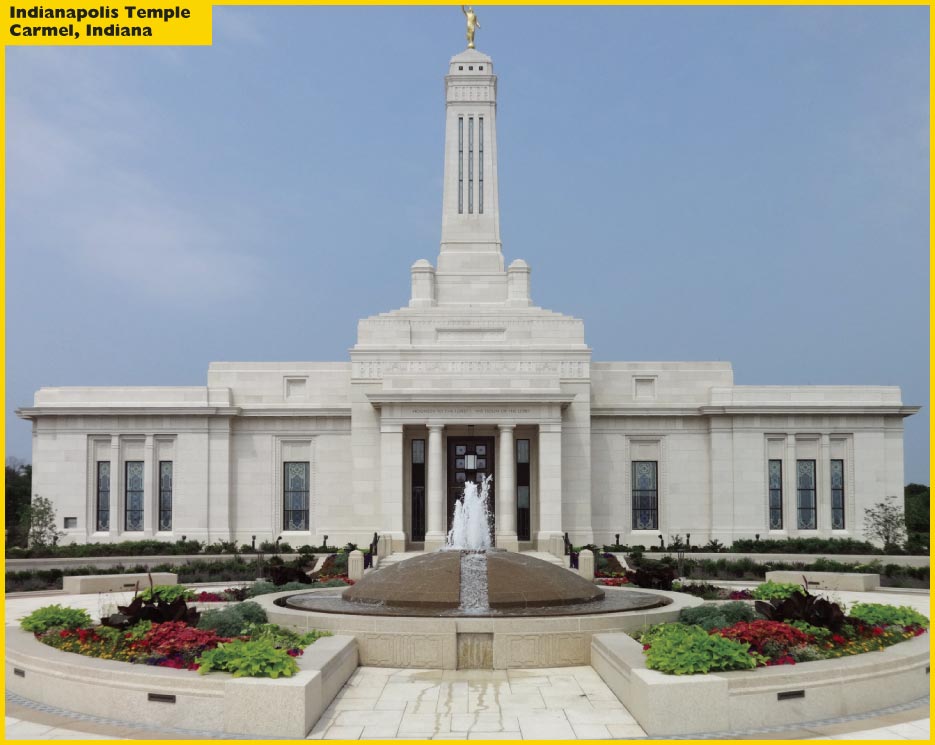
(550,703)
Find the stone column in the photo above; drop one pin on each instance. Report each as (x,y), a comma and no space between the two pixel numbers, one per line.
(150,488)
(391,475)
(435,497)
(506,491)
(116,481)
(823,486)
(550,488)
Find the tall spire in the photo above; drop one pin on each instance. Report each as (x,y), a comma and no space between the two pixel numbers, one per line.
(470,241)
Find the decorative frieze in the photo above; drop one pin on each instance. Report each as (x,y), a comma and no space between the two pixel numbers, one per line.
(562,368)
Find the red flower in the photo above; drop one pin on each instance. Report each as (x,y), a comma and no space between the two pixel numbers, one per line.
(646,646)
(784,660)
(759,633)
(877,631)
(64,633)
(838,639)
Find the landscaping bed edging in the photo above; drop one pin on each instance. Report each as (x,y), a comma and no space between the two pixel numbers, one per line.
(285,707)
(765,697)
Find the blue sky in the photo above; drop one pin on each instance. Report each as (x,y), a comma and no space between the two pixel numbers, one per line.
(742,184)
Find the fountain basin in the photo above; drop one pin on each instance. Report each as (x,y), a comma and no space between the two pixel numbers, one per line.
(520,637)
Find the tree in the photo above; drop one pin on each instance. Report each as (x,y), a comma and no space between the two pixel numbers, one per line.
(18,482)
(43,529)
(885,522)
(917,508)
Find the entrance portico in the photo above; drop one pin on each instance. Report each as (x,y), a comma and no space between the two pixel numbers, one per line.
(404,427)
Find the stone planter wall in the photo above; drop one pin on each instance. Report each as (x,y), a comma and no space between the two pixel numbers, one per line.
(218,702)
(771,696)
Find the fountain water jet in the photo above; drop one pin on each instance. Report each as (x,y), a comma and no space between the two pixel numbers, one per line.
(470,525)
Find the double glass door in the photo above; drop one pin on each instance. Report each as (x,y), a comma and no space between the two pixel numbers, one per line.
(469,459)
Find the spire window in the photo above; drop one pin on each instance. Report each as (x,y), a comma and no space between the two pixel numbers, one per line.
(460,164)
(480,165)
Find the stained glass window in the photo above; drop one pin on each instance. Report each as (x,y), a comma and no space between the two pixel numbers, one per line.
(645,495)
(775,495)
(133,490)
(837,495)
(103,495)
(295,485)
(165,495)
(805,490)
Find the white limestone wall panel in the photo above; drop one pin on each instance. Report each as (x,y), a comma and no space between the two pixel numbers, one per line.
(61,474)
(191,498)
(871,483)
(749,481)
(252,484)
(609,485)
(614,383)
(686,499)
(322,383)
(576,464)
(847,395)
(360,515)
(126,396)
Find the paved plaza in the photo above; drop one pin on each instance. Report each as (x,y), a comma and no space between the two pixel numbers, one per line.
(565,703)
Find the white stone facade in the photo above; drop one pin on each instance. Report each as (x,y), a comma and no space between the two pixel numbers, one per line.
(308,449)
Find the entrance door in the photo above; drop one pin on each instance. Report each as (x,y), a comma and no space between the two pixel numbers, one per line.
(469,459)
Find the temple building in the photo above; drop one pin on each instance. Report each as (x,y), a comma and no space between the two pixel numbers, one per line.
(471,379)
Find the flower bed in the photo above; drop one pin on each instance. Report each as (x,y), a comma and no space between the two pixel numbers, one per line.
(155,632)
(798,628)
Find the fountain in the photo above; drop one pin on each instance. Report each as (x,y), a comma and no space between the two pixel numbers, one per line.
(470,605)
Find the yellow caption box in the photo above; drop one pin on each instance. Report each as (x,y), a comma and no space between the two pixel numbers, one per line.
(85,22)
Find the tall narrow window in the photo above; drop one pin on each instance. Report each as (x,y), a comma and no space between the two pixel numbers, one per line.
(165,495)
(460,164)
(837,495)
(418,490)
(480,165)
(523,528)
(470,164)
(133,491)
(295,495)
(645,495)
(775,495)
(103,495)
(805,491)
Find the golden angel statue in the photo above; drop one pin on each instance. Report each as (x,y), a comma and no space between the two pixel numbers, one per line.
(471,24)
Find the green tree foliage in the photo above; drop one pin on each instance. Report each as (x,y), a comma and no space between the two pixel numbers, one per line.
(42,528)
(917,503)
(18,479)
(885,522)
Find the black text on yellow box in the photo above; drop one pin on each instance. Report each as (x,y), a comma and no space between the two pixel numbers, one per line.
(89,23)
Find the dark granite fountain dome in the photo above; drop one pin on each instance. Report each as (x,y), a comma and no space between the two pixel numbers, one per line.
(431,585)
(433,581)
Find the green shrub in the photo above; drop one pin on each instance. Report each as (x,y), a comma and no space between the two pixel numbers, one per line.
(55,617)
(710,617)
(233,620)
(282,638)
(255,659)
(804,546)
(685,650)
(262,587)
(770,590)
(167,593)
(877,614)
